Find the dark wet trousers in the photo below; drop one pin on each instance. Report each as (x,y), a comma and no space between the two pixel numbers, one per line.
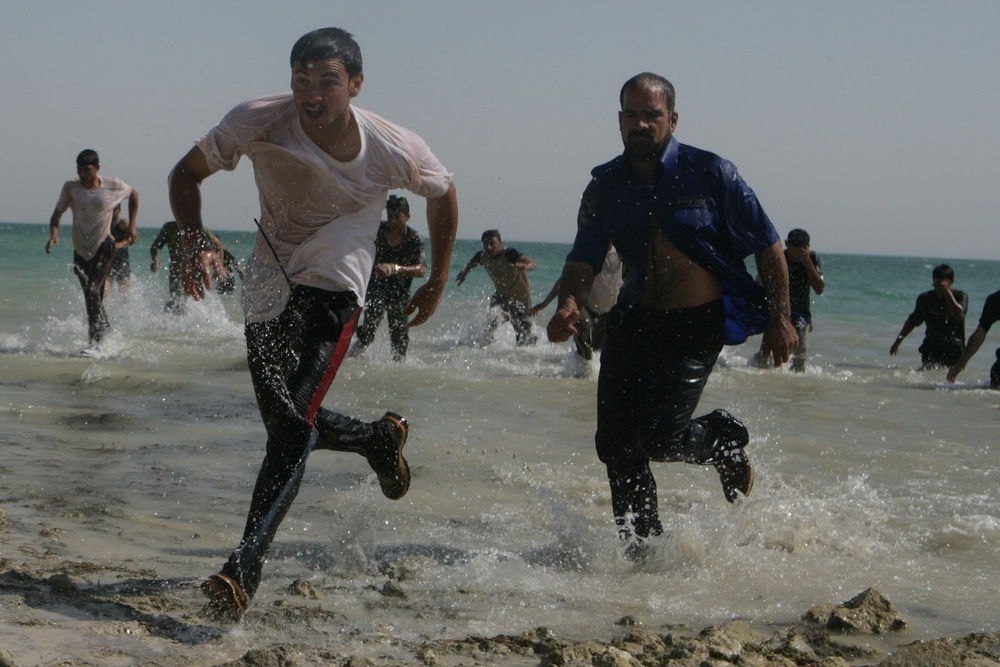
(293,359)
(518,317)
(654,367)
(393,306)
(941,353)
(93,274)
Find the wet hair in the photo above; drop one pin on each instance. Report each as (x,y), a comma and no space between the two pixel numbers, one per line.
(328,43)
(943,272)
(654,83)
(87,157)
(491,233)
(798,238)
(397,205)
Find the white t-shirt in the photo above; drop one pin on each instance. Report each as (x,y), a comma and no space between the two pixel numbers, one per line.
(92,210)
(320,215)
(604,291)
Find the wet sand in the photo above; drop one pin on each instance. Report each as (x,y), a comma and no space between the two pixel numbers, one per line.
(58,612)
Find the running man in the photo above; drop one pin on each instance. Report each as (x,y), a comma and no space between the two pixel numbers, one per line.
(324,168)
(508,269)
(170,237)
(399,258)
(121,269)
(93,199)
(682,220)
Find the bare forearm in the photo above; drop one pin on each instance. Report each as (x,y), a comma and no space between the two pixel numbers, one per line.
(774,276)
(442,224)
(816,279)
(184,189)
(575,283)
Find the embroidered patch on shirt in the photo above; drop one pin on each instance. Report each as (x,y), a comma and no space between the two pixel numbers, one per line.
(693,202)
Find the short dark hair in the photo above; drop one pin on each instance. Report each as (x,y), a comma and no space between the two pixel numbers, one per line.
(491,233)
(87,157)
(328,43)
(397,205)
(798,238)
(943,272)
(654,83)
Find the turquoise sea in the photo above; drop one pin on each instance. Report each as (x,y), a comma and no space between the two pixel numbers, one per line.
(870,473)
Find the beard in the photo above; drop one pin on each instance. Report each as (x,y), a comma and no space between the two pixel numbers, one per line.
(640,147)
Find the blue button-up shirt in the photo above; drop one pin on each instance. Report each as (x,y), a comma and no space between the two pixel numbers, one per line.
(703,207)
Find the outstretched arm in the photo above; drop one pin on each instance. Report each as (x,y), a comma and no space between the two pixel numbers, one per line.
(473,263)
(200,254)
(780,338)
(540,306)
(442,223)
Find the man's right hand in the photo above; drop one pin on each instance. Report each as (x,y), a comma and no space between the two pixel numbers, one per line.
(563,324)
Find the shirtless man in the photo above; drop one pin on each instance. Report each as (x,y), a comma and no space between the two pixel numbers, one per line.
(508,269)
(682,220)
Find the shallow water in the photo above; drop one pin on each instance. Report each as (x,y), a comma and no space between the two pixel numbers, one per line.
(869,473)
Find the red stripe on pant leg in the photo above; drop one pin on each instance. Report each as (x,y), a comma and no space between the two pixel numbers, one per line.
(343,343)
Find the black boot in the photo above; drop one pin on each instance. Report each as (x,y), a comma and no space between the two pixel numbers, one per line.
(730,459)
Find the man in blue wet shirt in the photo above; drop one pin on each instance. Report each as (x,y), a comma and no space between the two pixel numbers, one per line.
(683,221)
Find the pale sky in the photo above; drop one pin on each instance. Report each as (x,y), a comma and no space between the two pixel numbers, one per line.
(873,125)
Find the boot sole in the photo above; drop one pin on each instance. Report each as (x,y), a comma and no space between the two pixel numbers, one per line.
(395,487)
(226,598)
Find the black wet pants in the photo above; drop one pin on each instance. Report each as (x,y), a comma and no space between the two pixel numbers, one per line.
(93,273)
(393,306)
(518,316)
(654,367)
(293,359)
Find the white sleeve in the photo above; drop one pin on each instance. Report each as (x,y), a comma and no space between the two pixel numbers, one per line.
(244,123)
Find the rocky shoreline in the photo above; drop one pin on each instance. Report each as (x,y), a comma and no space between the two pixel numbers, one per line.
(86,614)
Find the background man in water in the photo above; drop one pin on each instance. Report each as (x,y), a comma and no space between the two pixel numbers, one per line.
(324,168)
(943,309)
(93,199)
(399,258)
(682,221)
(121,268)
(804,274)
(508,269)
(591,327)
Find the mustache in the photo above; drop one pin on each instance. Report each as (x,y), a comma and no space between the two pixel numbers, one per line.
(640,134)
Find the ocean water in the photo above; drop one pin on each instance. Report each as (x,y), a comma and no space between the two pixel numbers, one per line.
(870,473)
